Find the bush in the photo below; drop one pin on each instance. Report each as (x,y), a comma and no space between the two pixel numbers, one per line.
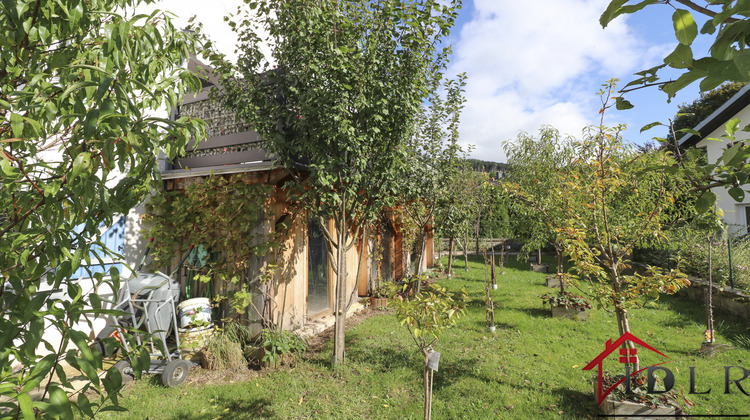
(278,343)
(688,249)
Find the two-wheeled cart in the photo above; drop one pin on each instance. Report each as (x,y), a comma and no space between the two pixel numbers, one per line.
(149,302)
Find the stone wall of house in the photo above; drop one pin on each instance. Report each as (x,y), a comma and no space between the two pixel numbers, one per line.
(219,120)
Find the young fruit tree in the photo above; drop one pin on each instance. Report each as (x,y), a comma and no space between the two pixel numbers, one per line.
(78,146)
(455,216)
(432,160)
(426,314)
(537,170)
(618,199)
(336,101)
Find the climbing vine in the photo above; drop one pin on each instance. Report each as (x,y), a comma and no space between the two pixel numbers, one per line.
(224,215)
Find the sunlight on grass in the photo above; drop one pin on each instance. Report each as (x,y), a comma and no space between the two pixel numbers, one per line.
(529,369)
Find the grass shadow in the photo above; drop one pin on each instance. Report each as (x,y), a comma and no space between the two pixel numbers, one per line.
(575,404)
(235,408)
(536,312)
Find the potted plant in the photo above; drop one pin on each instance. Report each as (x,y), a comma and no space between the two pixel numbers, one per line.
(638,402)
(379,298)
(194,335)
(567,305)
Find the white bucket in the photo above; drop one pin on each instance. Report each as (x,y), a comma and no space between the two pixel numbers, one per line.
(194,310)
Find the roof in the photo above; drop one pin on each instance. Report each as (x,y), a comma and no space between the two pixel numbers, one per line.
(735,104)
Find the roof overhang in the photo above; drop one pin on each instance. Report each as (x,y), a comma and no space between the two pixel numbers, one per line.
(724,113)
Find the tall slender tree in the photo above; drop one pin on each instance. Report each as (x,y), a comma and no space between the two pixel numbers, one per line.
(433,159)
(336,101)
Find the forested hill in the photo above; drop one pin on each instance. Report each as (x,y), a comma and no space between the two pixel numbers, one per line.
(486,166)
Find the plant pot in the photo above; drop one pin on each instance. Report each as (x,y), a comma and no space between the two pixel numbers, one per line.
(192,342)
(196,310)
(494,287)
(491,329)
(539,268)
(378,302)
(570,313)
(554,281)
(635,410)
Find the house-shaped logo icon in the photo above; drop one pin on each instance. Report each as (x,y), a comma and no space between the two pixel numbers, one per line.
(627,355)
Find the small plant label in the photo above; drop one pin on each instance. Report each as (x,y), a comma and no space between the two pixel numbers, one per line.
(433,360)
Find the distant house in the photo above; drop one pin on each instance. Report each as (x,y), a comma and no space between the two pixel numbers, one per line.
(736,214)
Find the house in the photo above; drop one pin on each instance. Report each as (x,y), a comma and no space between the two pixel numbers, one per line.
(736,214)
(305,283)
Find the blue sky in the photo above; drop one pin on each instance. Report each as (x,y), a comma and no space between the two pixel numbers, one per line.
(531,63)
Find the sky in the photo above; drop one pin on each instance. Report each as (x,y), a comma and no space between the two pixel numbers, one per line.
(531,63)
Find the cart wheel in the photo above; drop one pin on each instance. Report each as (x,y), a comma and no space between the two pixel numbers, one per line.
(107,332)
(126,371)
(175,372)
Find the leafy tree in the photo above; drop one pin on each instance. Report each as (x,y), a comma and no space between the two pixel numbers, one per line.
(727,27)
(726,24)
(537,170)
(433,159)
(426,313)
(78,85)
(617,201)
(455,216)
(338,96)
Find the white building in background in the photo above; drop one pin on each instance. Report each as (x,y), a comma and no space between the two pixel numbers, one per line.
(711,129)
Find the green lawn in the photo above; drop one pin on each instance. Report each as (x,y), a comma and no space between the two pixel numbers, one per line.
(529,369)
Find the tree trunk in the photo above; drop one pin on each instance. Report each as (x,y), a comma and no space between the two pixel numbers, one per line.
(709,296)
(502,257)
(426,389)
(560,269)
(340,296)
(622,318)
(539,255)
(466,254)
(479,219)
(450,256)
(421,250)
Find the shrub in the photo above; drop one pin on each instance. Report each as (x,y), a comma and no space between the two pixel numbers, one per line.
(278,343)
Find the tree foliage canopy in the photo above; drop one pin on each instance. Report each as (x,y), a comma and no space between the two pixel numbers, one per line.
(337,98)
(79,82)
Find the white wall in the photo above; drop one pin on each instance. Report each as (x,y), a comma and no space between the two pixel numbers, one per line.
(734,212)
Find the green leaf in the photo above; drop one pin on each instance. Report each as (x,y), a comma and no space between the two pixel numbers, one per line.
(16,124)
(59,404)
(680,58)
(24,403)
(81,164)
(622,104)
(732,126)
(685,28)
(684,80)
(611,12)
(650,126)
(737,193)
(705,202)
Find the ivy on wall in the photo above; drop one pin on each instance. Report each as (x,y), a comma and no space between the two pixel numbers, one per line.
(225,215)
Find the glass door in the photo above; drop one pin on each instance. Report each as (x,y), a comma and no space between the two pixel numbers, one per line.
(318,296)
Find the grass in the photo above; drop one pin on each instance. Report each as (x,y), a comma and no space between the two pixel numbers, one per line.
(529,368)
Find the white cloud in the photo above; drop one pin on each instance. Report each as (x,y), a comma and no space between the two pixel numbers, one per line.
(541,62)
